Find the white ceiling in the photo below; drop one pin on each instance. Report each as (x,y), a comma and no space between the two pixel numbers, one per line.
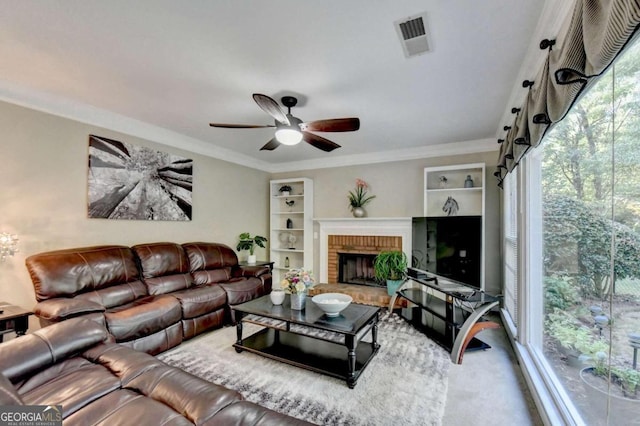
(174,66)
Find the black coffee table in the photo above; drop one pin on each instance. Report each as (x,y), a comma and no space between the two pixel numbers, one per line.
(309,339)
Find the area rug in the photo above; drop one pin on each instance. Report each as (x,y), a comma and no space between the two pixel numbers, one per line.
(404,384)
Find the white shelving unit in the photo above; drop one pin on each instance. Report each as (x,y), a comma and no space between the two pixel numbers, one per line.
(470,200)
(294,243)
(443,182)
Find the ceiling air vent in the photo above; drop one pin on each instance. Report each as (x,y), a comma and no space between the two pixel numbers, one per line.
(413,35)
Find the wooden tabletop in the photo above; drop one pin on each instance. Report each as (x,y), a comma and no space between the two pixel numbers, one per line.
(10,311)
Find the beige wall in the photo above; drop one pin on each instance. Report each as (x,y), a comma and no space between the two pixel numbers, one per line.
(44,196)
(398,189)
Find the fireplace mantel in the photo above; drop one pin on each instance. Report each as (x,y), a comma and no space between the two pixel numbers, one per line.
(373,226)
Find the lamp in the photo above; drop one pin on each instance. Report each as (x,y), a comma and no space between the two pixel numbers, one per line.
(8,245)
(288,136)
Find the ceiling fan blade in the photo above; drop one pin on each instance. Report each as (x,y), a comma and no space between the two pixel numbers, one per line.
(271,107)
(332,125)
(319,142)
(240,126)
(271,145)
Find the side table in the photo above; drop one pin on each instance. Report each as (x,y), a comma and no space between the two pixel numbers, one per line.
(258,263)
(13,319)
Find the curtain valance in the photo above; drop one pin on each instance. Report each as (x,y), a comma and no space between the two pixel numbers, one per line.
(596,33)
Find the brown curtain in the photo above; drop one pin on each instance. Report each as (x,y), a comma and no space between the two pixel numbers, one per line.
(589,41)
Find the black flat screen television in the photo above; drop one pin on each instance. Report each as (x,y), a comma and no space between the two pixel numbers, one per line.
(449,246)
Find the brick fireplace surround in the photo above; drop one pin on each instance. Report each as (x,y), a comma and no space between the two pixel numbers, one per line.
(357,244)
(362,235)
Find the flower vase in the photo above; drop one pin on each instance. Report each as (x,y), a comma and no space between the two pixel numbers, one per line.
(359,212)
(298,301)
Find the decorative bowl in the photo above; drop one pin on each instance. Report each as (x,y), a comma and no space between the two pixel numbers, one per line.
(332,303)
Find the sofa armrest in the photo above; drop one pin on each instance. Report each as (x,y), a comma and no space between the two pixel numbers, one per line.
(263,273)
(250,271)
(59,309)
(21,357)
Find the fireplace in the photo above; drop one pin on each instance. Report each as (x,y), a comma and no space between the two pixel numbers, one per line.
(365,237)
(357,252)
(356,268)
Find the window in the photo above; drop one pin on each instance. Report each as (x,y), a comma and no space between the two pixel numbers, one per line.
(581,295)
(510,247)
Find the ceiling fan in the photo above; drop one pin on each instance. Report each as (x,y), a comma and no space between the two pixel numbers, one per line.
(291,130)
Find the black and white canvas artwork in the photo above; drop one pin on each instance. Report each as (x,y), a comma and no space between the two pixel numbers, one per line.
(132,182)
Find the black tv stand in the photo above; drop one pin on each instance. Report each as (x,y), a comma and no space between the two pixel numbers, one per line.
(448,312)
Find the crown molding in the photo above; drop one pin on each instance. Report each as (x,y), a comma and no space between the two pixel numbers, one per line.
(429,151)
(554,14)
(84,113)
(58,106)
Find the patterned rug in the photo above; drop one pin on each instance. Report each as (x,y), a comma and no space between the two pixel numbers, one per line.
(404,384)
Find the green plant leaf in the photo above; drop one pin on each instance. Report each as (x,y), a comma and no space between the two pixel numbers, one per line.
(390,265)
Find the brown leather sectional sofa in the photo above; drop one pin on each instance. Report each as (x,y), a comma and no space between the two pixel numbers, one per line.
(97,382)
(150,297)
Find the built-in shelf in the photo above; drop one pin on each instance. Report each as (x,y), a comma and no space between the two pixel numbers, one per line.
(300,231)
(454,203)
(454,190)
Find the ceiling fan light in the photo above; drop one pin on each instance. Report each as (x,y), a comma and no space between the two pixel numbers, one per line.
(288,136)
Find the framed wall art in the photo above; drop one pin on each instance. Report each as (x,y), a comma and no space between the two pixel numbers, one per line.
(137,183)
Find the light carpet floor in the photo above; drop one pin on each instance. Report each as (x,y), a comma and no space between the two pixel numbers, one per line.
(404,384)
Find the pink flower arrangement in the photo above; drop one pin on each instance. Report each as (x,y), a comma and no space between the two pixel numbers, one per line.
(297,281)
(358,198)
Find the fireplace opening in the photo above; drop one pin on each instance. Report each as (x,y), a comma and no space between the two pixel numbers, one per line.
(357,268)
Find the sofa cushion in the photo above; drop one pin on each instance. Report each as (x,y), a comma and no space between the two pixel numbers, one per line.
(65,273)
(245,413)
(165,267)
(211,276)
(200,300)
(194,326)
(143,376)
(210,262)
(143,317)
(195,398)
(35,351)
(126,407)
(157,342)
(116,294)
(204,256)
(124,362)
(87,380)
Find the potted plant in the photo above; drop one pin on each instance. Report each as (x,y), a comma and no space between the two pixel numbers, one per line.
(247,242)
(391,266)
(358,198)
